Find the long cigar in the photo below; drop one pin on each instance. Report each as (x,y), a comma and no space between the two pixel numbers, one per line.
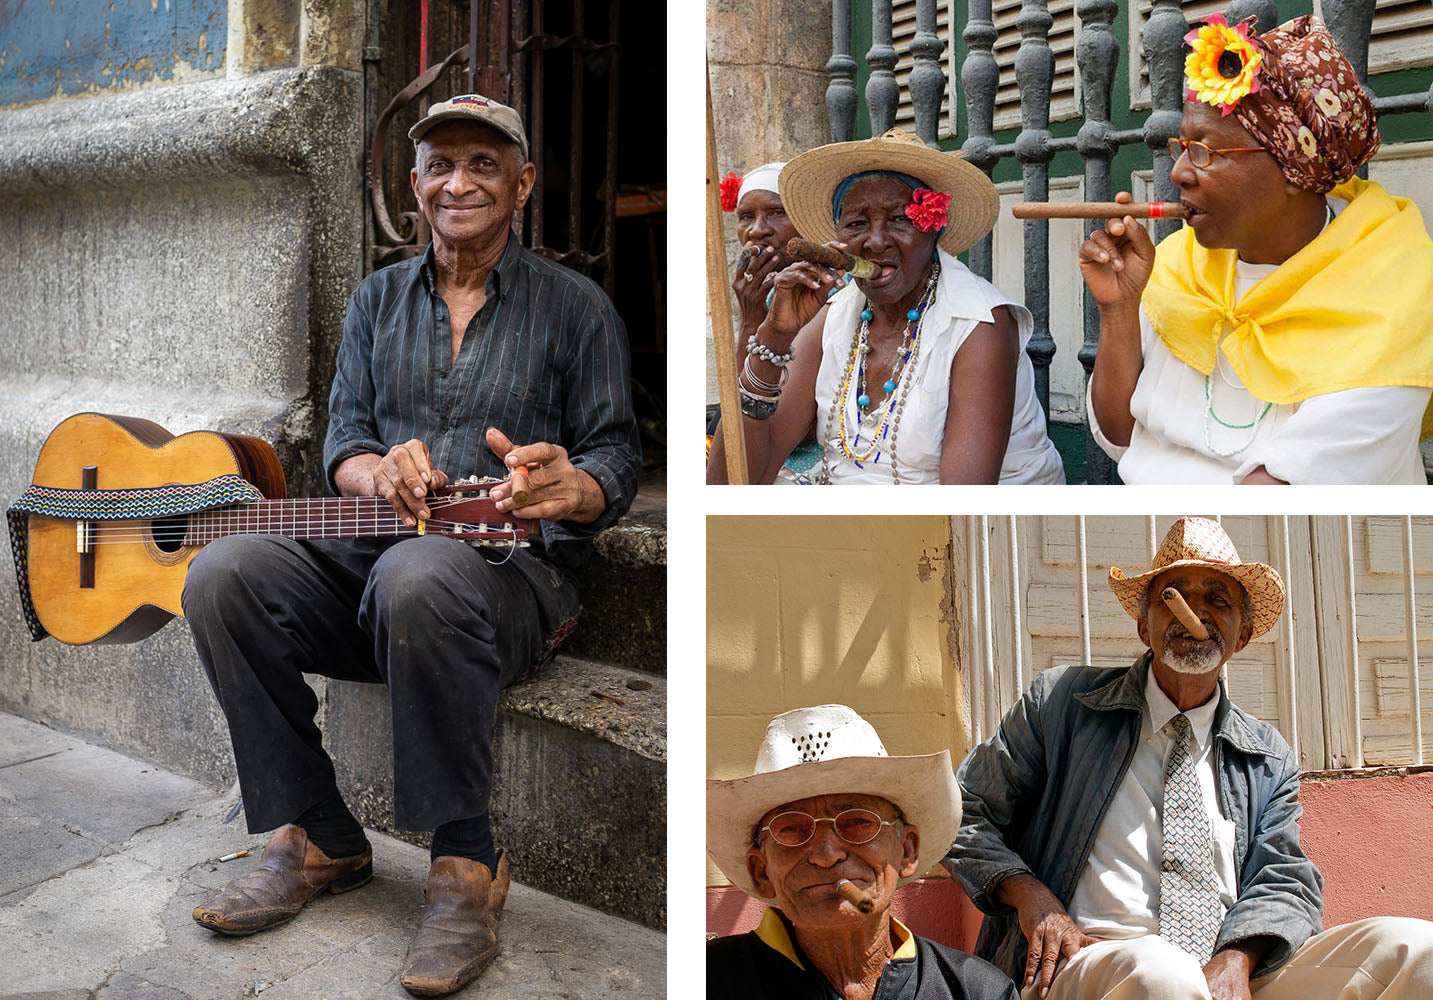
(857,267)
(1181,611)
(852,894)
(1098,210)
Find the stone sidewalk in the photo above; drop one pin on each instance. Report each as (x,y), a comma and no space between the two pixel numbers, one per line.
(102,858)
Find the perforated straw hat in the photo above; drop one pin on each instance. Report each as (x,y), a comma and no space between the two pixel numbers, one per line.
(476,108)
(810,180)
(1198,541)
(830,750)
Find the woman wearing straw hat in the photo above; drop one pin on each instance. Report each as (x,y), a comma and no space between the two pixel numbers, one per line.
(914,375)
(826,805)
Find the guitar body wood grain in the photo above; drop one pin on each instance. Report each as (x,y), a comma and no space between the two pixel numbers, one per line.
(136,586)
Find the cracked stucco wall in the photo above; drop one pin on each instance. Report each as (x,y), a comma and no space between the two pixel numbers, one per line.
(815,610)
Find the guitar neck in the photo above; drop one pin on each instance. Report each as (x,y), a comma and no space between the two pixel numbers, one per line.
(321,517)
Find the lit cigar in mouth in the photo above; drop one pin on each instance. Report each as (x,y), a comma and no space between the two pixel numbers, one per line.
(856,267)
(1098,210)
(1186,617)
(854,895)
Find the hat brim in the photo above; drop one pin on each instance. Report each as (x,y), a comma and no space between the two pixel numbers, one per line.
(427,125)
(1263,584)
(923,788)
(809,181)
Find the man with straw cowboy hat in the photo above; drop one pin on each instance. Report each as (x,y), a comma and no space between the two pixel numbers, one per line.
(824,831)
(1131,832)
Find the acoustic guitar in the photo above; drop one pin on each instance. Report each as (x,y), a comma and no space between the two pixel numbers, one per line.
(111,581)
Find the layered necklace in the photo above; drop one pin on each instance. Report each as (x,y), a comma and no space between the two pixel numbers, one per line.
(875,431)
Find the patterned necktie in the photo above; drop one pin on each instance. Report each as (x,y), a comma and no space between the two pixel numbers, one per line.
(1189,908)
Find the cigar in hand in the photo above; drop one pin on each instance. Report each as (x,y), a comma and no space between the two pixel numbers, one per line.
(1098,210)
(857,267)
(521,489)
(1187,618)
(854,895)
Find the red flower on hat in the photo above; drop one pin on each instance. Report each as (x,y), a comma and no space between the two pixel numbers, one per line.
(730,186)
(928,209)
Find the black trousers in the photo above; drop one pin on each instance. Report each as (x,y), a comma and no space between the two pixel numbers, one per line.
(432,618)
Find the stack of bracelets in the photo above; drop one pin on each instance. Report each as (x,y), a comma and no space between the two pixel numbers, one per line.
(759,401)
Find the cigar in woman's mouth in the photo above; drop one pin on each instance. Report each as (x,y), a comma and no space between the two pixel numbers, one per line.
(840,260)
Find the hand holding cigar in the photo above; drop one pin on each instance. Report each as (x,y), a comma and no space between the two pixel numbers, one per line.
(854,895)
(1181,610)
(856,267)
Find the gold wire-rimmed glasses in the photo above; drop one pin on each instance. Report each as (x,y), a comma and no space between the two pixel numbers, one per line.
(1200,155)
(854,826)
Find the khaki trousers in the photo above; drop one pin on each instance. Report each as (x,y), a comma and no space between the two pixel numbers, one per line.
(1390,958)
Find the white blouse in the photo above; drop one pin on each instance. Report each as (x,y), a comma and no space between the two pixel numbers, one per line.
(1181,435)
(963,300)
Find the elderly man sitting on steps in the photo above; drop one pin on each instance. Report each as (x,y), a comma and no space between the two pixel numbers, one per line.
(827,810)
(1132,833)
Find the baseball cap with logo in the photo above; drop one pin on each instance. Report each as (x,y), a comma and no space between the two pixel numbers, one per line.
(474,107)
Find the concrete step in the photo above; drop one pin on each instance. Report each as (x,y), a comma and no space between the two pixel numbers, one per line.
(579,787)
(103,856)
(624,595)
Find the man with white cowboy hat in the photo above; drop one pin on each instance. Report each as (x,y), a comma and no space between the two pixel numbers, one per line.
(1131,832)
(889,819)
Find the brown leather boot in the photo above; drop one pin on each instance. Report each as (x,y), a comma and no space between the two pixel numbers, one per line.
(458,935)
(290,873)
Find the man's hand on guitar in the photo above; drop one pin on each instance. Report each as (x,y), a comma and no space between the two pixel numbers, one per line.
(402,477)
(557,490)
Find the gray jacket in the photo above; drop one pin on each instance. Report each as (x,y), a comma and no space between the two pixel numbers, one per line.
(1035,793)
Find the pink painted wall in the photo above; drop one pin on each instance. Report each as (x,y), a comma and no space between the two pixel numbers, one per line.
(1371,837)
(1373,840)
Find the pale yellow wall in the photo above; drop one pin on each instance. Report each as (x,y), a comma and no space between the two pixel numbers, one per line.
(813,610)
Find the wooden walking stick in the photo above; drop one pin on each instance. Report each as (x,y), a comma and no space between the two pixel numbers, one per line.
(719,297)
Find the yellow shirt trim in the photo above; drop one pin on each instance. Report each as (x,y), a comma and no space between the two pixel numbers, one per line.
(772,932)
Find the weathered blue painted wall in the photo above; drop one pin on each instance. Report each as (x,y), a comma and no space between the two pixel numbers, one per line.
(54,47)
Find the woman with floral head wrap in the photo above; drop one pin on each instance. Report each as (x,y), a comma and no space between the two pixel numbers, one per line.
(1285,335)
(916,374)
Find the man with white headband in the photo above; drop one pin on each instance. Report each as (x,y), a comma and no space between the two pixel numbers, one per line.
(826,806)
(1132,833)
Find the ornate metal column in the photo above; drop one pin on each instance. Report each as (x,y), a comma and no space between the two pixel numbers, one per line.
(882,91)
(841,67)
(1265,10)
(1096,53)
(927,83)
(1163,38)
(1035,75)
(981,77)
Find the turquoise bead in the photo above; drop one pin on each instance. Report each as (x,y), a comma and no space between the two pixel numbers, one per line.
(867,315)
(913,315)
(889,386)
(863,401)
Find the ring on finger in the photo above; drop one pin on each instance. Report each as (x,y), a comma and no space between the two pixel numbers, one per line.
(749,276)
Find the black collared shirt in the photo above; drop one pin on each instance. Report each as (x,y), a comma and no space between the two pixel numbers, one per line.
(544,359)
(768,964)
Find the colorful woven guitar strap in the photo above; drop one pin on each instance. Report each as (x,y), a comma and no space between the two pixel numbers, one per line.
(143,504)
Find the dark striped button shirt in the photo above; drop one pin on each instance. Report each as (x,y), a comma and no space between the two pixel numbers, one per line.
(544,359)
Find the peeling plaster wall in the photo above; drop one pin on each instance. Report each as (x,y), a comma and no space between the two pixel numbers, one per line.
(73,47)
(814,610)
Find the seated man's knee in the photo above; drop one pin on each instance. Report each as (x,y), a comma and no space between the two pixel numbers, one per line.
(223,568)
(425,579)
(1143,966)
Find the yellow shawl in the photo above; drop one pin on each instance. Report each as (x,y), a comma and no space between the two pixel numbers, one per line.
(1352,309)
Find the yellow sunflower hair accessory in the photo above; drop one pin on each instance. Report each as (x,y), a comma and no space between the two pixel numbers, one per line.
(1223,63)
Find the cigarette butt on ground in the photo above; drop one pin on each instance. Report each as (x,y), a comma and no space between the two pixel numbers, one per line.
(235,856)
(854,895)
(1181,611)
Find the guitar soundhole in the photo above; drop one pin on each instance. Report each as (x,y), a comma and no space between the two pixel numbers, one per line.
(168,533)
